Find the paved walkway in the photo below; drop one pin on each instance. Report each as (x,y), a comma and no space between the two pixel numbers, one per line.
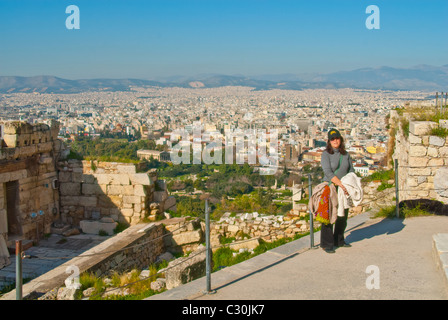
(400,251)
(54,246)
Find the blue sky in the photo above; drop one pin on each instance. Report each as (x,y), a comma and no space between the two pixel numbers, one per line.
(154,38)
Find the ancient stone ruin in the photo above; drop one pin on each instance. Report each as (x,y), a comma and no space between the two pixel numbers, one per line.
(29,197)
(42,192)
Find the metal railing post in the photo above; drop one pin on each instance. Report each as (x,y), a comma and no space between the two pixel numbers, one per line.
(19,278)
(311,214)
(208,249)
(441,103)
(397,201)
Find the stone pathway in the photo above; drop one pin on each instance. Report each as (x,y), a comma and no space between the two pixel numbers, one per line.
(401,250)
(51,249)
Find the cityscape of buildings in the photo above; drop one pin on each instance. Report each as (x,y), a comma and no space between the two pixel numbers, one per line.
(302,118)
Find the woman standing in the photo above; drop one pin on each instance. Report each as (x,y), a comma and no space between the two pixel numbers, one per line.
(336,163)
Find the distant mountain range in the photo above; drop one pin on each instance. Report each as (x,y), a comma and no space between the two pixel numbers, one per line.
(422,77)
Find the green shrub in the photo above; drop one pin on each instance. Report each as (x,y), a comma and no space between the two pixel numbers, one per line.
(413,212)
(225,240)
(121,227)
(222,258)
(405,126)
(103,233)
(405,212)
(384,186)
(382,175)
(439,132)
(386,212)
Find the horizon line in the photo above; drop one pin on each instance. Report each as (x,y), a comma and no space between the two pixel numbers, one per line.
(211,74)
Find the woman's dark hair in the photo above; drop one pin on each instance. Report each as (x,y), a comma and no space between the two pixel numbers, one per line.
(341,147)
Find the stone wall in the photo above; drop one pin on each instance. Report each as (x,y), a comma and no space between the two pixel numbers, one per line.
(422,160)
(253,225)
(183,234)
(27,169)
(137,247)
(95,189)
(374,199)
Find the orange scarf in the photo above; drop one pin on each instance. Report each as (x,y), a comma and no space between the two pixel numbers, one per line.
(323,211)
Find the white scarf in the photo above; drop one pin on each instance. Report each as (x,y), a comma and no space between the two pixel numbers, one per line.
(352,183)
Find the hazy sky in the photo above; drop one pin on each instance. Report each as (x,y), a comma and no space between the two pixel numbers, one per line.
(146,39)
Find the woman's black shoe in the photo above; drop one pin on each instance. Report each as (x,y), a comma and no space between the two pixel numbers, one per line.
(329,250)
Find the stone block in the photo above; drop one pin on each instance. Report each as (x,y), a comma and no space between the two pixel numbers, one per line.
(87,201)
(419,171)
(94,227)
(27,151)
(186,237)
(45,147)
(18,175)
(121,179)
(169,203)
(105,202)
(46,197)
(138,190)
(414,139)
(128,190)
(67,293)
(245,244)
(91,189)
(88,178)
(5,177)
(436,162)
(443,123)
(411,182)
(422,179)
(184,270)
(416,194)
(158,284)
(160,196)
(69,200)
(126,168)
(436,141)
(233,228)
(137,208)
(77,177)
(3,221)
(443,151)
(131,199)
(70,189)
(441,182)
(433,152)
(420,128)
(417,151)
(114,190)
(140,178)
(418,161)
(65,176)
(116,200)
(102,178)
(127,212)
